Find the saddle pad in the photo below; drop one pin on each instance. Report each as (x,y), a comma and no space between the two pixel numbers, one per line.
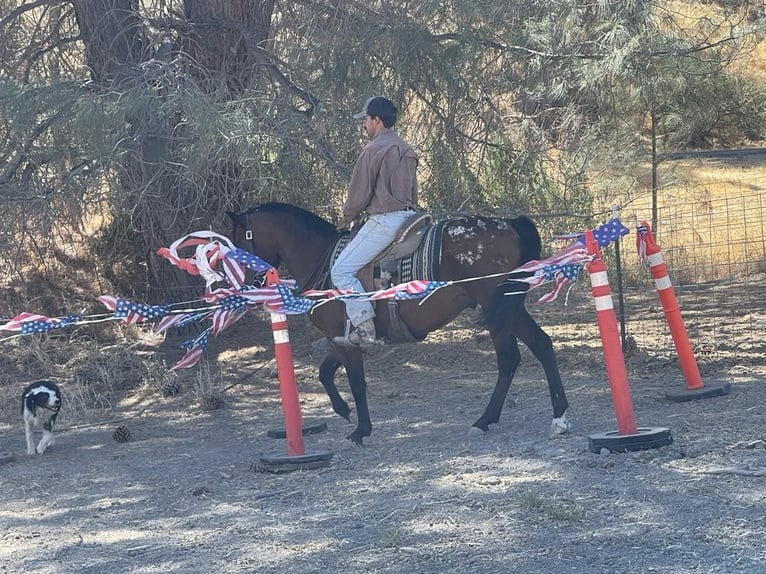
(424,262)
(335,250)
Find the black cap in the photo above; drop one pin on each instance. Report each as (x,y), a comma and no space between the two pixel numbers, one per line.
(377,106)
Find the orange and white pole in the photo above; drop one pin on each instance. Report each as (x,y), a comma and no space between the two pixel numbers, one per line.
(288,389)
(653,255)
(610,339)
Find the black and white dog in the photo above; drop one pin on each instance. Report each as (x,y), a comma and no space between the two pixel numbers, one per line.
(40,404)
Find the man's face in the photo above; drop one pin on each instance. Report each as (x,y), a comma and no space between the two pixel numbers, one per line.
(371,125)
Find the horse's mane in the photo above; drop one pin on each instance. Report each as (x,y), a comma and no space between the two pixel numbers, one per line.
(306,219)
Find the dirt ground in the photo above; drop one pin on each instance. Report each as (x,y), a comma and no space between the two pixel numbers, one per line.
(184,495)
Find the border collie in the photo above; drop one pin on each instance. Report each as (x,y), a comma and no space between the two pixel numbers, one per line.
(40,404)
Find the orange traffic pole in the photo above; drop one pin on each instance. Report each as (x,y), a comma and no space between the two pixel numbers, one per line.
(649,250)
(610,339)
(288,389)
(628,437)
(296,458)
(672,311)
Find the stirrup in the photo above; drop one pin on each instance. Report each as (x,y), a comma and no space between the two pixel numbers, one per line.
(357,337)
(360,336)
(343,339)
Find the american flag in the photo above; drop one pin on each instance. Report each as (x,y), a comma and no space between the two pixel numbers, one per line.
(41,326)
(292,304)
(210,249)
(327,293)
(194,351)
(575,253)
(231,302)
(261,295)
(418,289)
(252,262)
(642,234)
(16,323)
(29,323)
(179,320)
(560,275)
(225,317)
(132,312)
(610,231)
(561,268)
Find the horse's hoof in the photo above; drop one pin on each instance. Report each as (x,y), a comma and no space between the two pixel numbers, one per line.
(560,426)
(475,432)
(356,438)
(343,411)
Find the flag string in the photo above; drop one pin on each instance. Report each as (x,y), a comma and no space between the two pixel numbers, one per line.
(226,305)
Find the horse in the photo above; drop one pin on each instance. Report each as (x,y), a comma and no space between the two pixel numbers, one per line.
(476,254)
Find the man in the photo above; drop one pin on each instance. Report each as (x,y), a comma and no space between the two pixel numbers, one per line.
(384,186)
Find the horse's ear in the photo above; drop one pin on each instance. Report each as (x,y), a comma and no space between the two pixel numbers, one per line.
(232,215)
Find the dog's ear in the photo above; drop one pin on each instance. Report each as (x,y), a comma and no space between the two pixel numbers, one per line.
(30,403)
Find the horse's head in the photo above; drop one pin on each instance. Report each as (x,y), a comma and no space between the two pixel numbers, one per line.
(253,235)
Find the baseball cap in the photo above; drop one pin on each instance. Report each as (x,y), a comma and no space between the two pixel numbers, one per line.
(377,106)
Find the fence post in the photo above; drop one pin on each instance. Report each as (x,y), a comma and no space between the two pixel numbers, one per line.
(696,389)
(297,458)
(628,437)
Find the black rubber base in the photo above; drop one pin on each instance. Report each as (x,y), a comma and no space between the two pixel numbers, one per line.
(6,457)
(306,430)
(643,439)
(287,463)
(710,390)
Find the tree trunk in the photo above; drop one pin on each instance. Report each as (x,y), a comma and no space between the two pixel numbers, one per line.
(223,43)
(225,36)
(111,32)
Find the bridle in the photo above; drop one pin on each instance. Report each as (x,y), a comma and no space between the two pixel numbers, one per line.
(321,270)
(249,237)
(248,232)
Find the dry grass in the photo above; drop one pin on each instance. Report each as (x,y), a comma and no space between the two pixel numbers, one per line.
(710,217)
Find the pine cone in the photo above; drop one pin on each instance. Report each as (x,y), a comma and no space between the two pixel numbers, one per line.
(121,434)
(211,402)
(170,388)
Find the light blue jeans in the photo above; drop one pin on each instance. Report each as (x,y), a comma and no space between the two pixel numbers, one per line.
(378,232)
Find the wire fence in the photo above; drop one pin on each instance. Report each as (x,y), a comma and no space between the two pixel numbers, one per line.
(715,252)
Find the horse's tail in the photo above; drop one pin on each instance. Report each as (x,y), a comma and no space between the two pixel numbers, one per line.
(509,295)
(530,243)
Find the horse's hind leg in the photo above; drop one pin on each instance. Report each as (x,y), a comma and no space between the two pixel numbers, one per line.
(538,341)
(353,360)
(508,359)
(327,371)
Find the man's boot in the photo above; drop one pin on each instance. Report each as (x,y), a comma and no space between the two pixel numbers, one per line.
(363,334)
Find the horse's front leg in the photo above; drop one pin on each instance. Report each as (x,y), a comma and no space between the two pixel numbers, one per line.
(538,341)
(508,359)
(353,360)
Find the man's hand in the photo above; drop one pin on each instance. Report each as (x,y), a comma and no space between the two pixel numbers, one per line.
(343,225)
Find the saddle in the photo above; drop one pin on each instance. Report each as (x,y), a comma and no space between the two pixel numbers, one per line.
(407,241)
(414,254)
(394,263)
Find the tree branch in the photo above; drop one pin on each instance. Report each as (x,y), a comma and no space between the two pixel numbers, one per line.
(21,151)
(13,14)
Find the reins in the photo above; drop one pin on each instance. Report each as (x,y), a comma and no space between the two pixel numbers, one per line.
(321,271)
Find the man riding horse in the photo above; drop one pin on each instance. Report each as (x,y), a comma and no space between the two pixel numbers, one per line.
(384,186)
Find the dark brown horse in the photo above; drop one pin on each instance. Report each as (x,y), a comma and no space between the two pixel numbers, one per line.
(471,247)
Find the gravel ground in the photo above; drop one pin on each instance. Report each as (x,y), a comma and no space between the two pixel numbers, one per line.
(185,494)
